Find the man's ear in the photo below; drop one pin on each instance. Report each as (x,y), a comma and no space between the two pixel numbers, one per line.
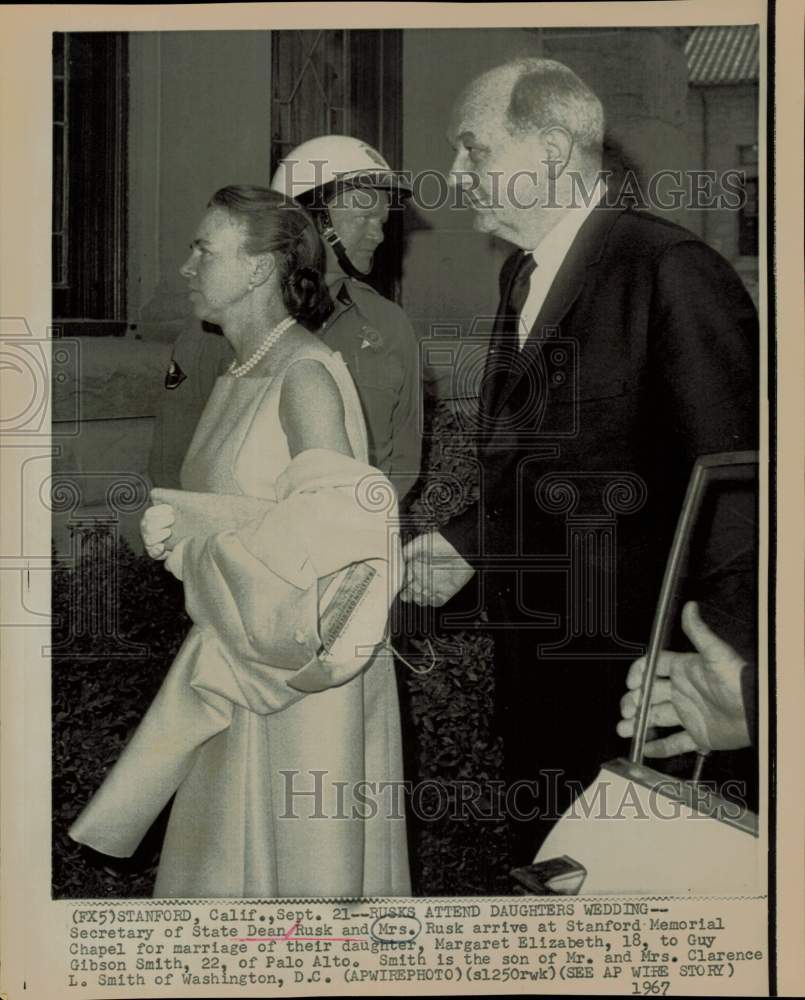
(558,144)
(263,266)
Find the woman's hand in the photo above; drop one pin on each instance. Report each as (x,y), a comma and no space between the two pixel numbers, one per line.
(173,559)
(155,529)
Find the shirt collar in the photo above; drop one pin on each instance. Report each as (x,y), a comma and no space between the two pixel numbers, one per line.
(555,244)
(333,278)
(338,286)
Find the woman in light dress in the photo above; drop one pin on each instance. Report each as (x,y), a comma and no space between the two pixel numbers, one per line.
(278,792)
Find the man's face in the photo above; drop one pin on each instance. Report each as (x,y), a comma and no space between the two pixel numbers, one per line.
(502,176)
(358,218)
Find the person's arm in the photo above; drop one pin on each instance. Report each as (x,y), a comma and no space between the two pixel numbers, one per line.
(703,356)
(439,564)
(311,409)
(406,418)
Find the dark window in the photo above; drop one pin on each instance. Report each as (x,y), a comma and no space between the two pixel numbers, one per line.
(90,104)
(748,220)
(61,48)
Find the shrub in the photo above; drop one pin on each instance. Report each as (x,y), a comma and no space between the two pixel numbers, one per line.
(100,692)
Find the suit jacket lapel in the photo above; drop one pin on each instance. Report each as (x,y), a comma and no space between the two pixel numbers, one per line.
(585,251)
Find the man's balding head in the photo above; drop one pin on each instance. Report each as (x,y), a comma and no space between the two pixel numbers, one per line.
(536,93)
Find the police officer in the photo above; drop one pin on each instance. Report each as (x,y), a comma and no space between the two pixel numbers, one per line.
(349,189)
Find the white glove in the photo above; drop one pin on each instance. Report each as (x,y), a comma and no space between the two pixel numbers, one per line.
(155,529)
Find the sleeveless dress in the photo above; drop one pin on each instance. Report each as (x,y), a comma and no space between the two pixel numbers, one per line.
(289,803)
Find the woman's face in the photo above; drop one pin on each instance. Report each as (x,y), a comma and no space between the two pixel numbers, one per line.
(218,271)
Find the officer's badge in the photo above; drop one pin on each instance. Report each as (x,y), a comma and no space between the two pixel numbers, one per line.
(370,338)
(174,376)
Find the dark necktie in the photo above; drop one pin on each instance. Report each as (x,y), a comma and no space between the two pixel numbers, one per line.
(504,349)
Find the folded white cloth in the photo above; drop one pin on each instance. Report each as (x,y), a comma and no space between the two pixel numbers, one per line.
(253,594)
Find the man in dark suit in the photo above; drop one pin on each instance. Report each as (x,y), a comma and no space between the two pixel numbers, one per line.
(623,348)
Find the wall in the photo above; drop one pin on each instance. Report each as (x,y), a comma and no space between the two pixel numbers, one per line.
(720,119)
(450,272)
(199,119)
(641,77)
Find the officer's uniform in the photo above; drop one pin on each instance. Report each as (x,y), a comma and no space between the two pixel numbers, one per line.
(198,358)
(376,342)
(379,347)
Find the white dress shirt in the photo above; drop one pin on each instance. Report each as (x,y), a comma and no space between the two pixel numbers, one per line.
(549,255)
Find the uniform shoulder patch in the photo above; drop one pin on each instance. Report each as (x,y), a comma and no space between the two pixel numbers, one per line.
(174,376)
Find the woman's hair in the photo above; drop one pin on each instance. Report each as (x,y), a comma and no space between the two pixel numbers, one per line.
(275,224)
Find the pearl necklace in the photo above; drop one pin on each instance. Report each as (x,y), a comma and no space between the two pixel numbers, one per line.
(271,338)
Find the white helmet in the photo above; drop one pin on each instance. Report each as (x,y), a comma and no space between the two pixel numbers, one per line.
(331,163)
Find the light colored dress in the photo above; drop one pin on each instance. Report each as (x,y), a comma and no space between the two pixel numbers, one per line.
(244,822)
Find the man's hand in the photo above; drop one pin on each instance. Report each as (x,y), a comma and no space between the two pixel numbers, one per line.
(434,571)
(702,694)
(155,529)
